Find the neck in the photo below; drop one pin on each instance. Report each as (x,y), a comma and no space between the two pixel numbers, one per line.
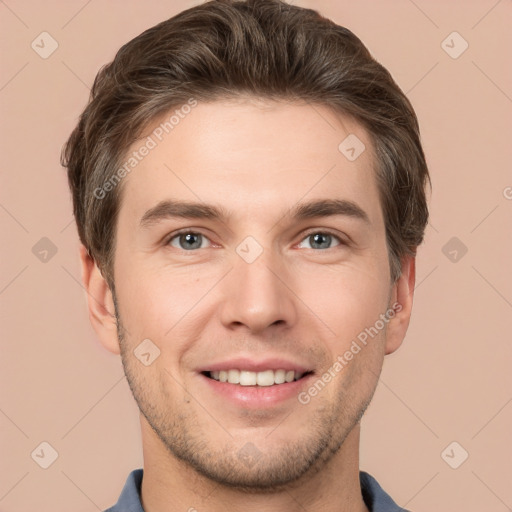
(170,484)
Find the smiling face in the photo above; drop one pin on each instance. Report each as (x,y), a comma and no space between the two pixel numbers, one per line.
(247,241)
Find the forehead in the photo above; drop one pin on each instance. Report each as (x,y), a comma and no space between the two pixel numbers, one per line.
(250,154)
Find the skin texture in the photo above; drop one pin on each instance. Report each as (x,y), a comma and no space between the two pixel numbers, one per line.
(257,159)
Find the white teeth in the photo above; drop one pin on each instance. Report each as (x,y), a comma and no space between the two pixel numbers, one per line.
(234,376)
(247,378)
(280,377)
(265,378)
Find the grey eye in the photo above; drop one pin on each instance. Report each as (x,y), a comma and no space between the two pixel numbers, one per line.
(187,241)
(320,240)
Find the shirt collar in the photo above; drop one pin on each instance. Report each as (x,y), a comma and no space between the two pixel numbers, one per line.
(375,498)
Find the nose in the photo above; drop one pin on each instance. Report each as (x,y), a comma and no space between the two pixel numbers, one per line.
(258,295)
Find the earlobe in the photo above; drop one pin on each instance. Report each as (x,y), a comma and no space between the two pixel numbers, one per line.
(100,302)
(401,302)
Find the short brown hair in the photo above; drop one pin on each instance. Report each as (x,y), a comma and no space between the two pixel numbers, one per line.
(227,48)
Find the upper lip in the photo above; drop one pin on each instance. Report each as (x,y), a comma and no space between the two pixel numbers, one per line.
(253,365)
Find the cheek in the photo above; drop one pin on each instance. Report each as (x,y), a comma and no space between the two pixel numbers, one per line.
(345,299)
(158,303)
(142,303)
(337,301)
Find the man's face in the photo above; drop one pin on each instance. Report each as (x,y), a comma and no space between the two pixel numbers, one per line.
(262,289)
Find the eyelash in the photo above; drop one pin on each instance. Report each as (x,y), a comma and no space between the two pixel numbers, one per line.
(305,236)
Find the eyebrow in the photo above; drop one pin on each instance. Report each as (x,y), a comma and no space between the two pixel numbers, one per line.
(168,209)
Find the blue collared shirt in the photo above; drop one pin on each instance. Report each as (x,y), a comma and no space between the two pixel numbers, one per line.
(374,496)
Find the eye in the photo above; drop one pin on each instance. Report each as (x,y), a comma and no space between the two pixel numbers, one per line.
(187,240)
(192,240)
(322,240)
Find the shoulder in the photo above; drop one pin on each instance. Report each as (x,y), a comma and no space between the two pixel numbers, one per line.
(375,498)
(129,500)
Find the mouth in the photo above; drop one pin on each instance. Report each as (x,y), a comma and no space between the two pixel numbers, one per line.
(265,378)
(248,383)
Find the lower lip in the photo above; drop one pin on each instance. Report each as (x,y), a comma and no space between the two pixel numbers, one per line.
(257,397)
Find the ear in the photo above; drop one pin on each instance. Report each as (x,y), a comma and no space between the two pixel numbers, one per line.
(100,303)
(401,302)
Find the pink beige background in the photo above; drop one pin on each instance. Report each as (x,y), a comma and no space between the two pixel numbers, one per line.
(450,381)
